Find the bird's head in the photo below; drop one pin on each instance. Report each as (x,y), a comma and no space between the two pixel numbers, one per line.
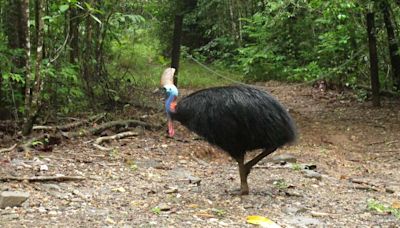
(171,93)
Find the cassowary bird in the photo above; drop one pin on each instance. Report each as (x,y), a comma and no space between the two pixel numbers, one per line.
(235,118)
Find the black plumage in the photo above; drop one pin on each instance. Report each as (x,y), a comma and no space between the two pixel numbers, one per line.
(237,119)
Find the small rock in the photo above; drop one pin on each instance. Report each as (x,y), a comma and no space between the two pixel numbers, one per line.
(12,198)
(44,168)
(248,206)
(164,207)
(171,190)
(183,161)
(42,209)
(319,214)
(312,174)
(295,210)
(52,187)
(310,166)
(148,163)
(95,177)
(78,193)
(303,221)
(120,189)
(13,216)
(153,223)
(110,221)
(284,158)
(293,193)
(52,213)
(185,175)
(389,190)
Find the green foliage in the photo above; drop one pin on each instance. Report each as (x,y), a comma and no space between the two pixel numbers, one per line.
(290,40)
(284,40)
(219,212)
(281,184)
(377,206)
(63,89)
(156,210)
(361,94)
(296,167)
(140,66)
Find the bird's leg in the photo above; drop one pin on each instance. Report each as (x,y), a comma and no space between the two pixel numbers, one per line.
(244,172)
(255,160)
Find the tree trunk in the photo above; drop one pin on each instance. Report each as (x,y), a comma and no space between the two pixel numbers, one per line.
(32,106)
(233,21)
(14,28)
(176,45)
(74,35)
(25,31)
(1,87)
(88,56)
(373,58)
(393,47)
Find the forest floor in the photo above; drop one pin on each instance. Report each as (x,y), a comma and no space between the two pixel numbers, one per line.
(154,181)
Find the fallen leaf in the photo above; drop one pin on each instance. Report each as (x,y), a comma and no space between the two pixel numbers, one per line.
(205,215)
(396,205)
(262,221)
(120,189)
(319,214)
(110,221)
(193,205)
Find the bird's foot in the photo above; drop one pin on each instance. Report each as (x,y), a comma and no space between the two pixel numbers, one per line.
(244,191)
(238,192)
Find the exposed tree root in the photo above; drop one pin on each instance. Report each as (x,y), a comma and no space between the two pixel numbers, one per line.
(46,141)
(118,124)
(368,185)
(8,149)
(100,140)
(43,178)
(70,126)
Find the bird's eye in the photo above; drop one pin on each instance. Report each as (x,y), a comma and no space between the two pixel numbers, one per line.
(166,92)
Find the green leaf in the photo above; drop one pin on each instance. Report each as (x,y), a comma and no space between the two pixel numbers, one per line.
(47,18)
(63,8)
(35,143)
(95,18)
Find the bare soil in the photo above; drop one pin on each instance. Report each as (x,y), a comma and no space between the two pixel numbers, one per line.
(154,181)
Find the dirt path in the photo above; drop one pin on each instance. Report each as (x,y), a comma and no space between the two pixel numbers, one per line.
(153,181)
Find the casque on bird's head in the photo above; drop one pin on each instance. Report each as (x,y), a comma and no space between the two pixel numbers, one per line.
(167,77)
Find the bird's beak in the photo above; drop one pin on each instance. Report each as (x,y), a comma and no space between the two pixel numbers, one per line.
(171,131)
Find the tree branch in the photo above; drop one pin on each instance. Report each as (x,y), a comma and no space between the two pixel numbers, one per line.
(100,140)
(8,149)
(42,178)
(117,123)
(70,125)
